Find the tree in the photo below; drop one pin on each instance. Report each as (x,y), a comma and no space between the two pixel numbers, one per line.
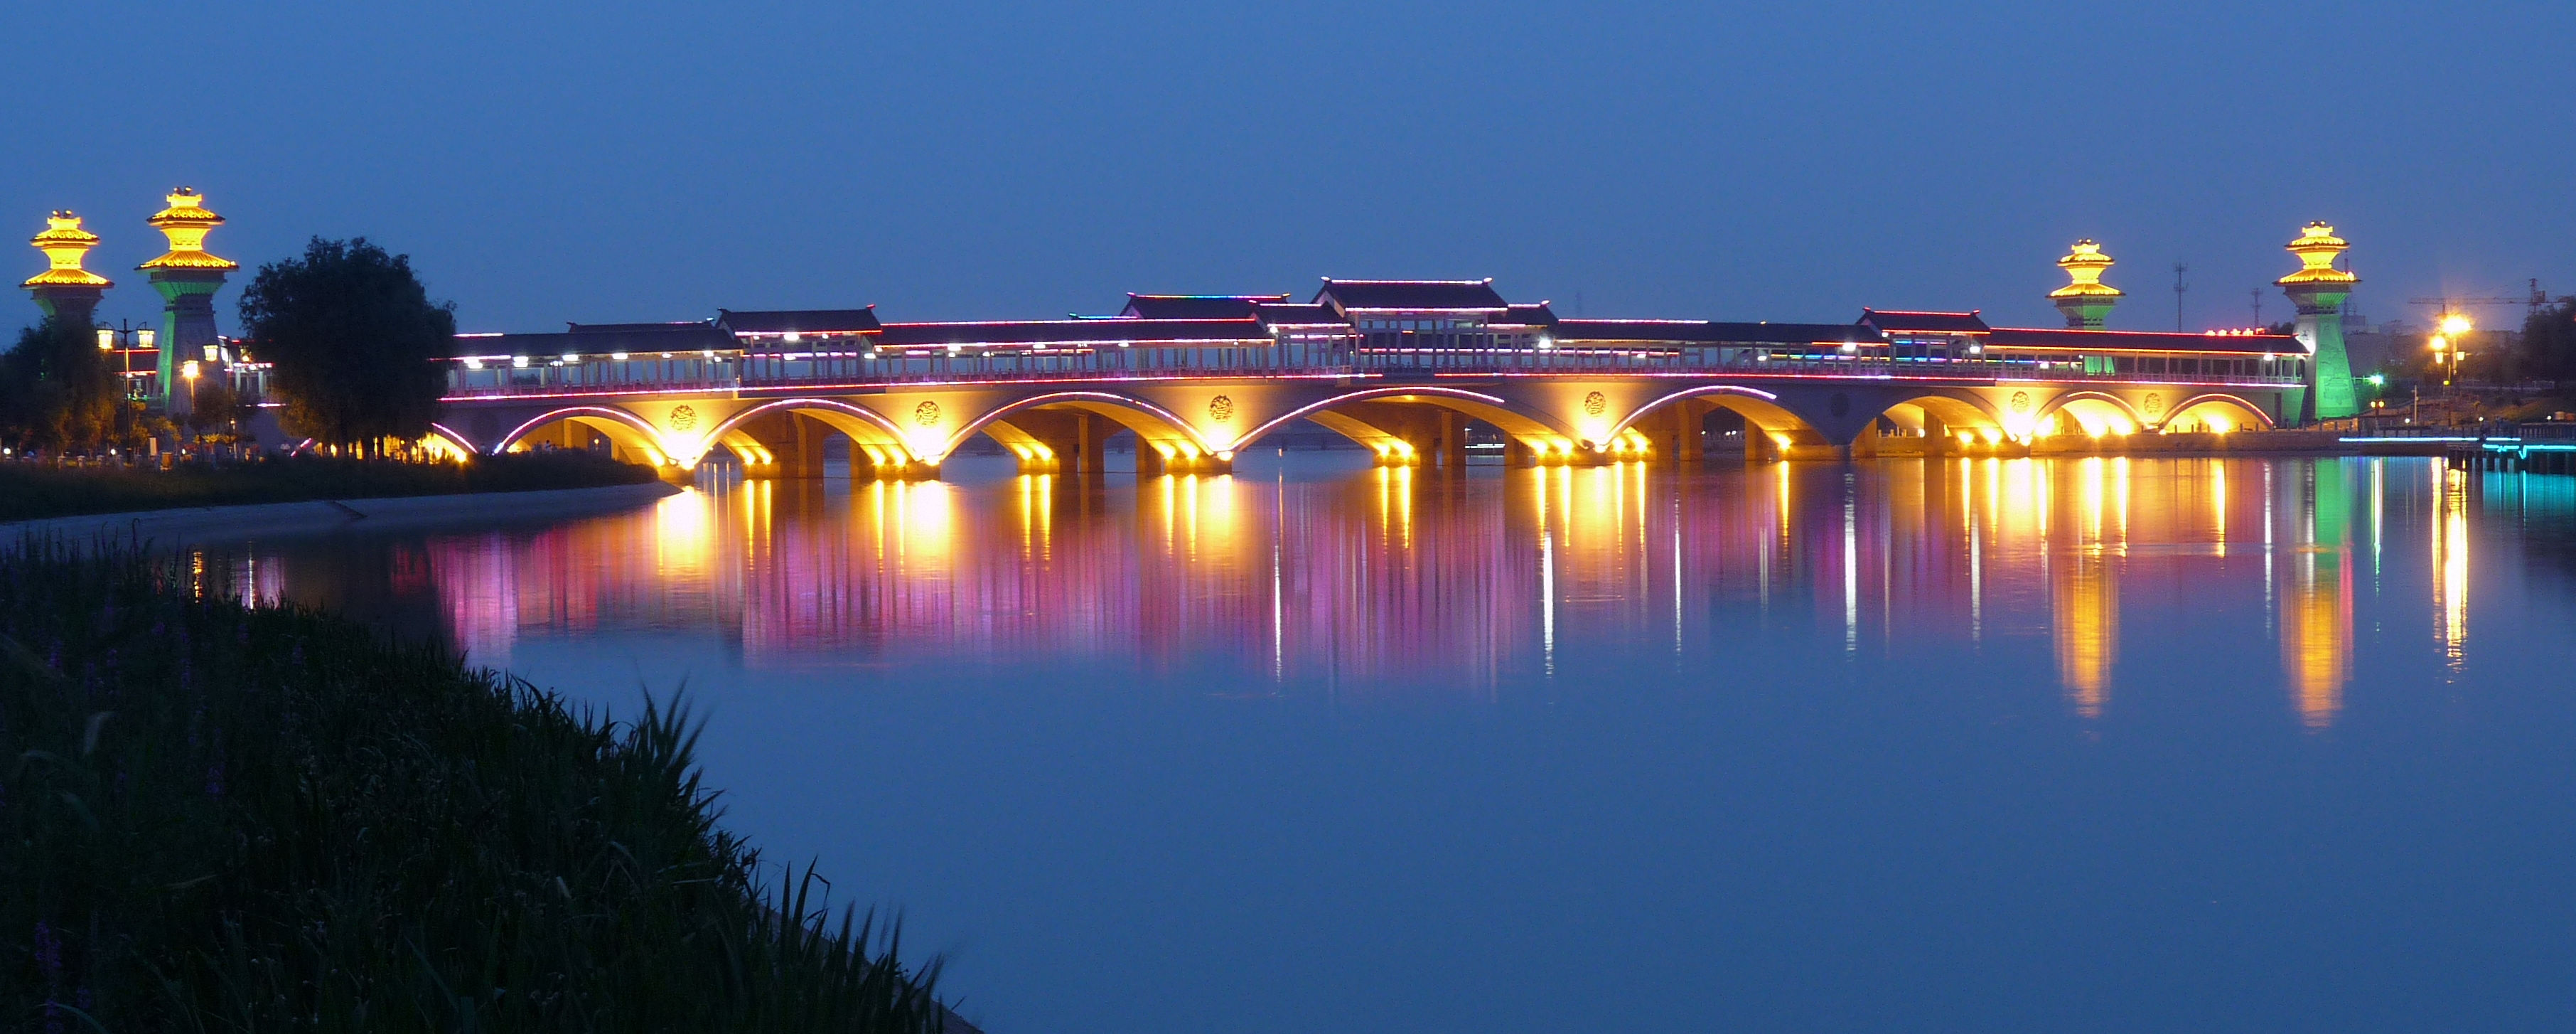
(57,392)
(2549,342)
(354,338)
(215,407)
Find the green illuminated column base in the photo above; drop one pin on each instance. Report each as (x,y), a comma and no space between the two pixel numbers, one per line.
(2329,367)
(187,322)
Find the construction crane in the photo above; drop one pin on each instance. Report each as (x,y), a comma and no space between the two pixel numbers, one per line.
(2536,300)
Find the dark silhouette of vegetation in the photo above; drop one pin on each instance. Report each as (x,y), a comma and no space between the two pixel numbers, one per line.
(216,410)
(29,491)
(353,335)
(59,395)
(222,818)
(2549,343)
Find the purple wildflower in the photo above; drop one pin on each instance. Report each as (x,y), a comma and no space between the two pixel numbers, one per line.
(49,953)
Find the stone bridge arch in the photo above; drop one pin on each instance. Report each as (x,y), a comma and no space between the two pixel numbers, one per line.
(792,432)
(2205,410)
(450,442)
(1672,422)
(1047,429)
(1407,424)
(1933,422)
(634,439)
(2094,412)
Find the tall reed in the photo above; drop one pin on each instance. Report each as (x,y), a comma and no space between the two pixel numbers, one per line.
(222,818)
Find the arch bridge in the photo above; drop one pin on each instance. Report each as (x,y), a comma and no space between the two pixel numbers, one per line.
(1197,380)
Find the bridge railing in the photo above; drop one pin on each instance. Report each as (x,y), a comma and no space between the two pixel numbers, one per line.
(734,371)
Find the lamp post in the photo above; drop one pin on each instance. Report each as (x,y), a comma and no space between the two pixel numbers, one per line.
(125,340)
(2447,338)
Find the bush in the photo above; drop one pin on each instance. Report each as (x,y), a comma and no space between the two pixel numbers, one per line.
(225,818)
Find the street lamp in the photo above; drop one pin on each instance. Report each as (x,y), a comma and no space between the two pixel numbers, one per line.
(2446,344)
(2450,333)
(125,339)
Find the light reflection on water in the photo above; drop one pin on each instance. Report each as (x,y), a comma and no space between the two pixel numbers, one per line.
(1396,580)
(1978,742)
(1402,577)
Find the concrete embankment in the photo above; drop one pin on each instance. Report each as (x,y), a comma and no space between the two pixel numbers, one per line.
(264,520)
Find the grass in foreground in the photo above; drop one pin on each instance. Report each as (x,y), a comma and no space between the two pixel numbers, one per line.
(30,491)
(217,818)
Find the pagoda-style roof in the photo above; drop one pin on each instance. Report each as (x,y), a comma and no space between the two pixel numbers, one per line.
(1298,314)
(1072,332)
(799,321)
(2317,248)
(1708,332)
(2233,343)
(636,339)
(1538,315)
(65,246)
(682,326)
(2084,265)
(186,223)
(1196,306)
(1903,321)
(1412,295)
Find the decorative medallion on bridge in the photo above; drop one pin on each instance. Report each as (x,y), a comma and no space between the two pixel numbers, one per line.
(1221,408)
(2155,403)
(2021,402)
(926,414)
(1595,403)
(683,418)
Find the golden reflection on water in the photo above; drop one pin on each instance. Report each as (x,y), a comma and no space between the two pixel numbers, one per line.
(2087,609)
(2451,558)
(1396,581)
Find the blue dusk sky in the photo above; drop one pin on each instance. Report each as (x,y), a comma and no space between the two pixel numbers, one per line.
(638,160)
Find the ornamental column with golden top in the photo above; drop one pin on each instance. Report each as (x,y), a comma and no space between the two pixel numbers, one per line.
(68,293)
(2085,299)
(2319,289)
(187,278)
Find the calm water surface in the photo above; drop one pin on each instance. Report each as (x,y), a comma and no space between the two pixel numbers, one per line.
(2122,745)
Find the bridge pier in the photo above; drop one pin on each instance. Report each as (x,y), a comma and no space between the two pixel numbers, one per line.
(1058,441)
(805,459)
(1150,462)
(1684,447)
(1758,446)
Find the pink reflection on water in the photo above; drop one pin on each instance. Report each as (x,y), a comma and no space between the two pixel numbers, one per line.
(1394,581)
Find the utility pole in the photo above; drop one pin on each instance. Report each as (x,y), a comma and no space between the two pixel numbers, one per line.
(2258,307)
(2179,288)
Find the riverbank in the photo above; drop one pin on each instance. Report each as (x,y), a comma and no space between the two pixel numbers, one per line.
(36,491)
(226,817)
(197,523)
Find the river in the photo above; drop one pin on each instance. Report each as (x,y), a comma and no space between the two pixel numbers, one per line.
(1990,745)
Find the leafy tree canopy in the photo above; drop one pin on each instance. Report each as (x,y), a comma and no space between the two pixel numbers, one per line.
(57,392)
(353,335)
(2549,342)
